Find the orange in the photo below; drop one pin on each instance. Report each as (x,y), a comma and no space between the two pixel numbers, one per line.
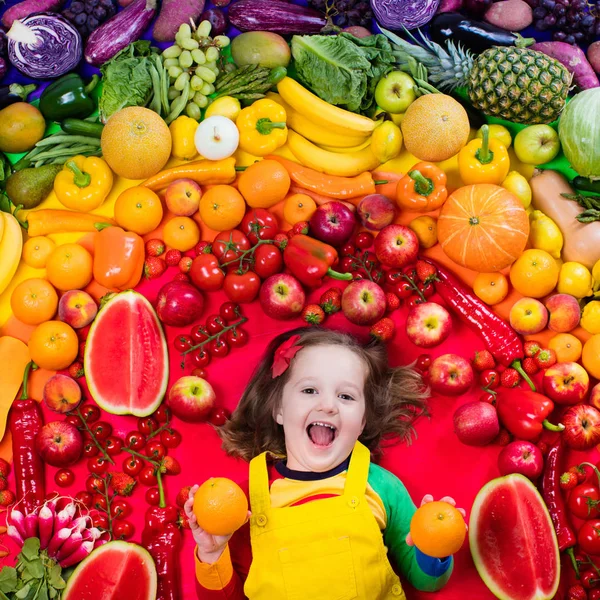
(534,273)
(138,209)
(438,529)
(222,207)
(590,356)
(21,127)
(264,184)
(298,207)
(69,267)
(425,228)
(36,251)
(136,143)
(220,506)
(53,345)
(567,347)
(181,233)
(34,301)
(490,287)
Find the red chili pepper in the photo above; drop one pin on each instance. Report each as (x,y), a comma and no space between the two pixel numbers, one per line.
(310,260)
(25,421)
(500,338)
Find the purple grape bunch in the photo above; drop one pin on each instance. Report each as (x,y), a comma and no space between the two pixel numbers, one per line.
(346,13)
(88,15)
(570,21)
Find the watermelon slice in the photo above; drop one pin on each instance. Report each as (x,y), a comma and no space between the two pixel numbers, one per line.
(126,358)
(513,542)
(114,571)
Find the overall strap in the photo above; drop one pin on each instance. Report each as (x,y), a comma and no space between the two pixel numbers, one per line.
(260,495)
(358,471)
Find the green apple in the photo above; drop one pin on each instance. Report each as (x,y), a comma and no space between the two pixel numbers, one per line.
(395,92)
(537,144)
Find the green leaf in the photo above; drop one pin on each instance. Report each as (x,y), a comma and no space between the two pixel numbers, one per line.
(31,548)
(23,592)
(8,579)
(52,592)
(42,593)
(55,576)
(3,596)
(36,569)
(5,205)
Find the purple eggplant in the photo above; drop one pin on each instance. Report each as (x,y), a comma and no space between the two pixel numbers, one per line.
(277,16)
(119,31)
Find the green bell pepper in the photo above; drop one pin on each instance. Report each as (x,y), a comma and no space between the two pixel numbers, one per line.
(68,97)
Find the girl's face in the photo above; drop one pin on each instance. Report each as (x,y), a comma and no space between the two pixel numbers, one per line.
(323,407)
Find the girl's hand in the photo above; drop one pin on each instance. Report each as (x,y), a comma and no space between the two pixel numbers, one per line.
(210,547)
(429,498)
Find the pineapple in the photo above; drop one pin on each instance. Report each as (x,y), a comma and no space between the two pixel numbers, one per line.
(516,84)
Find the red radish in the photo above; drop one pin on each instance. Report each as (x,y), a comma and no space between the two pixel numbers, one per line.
(58,539)
(69,546)
(574,59)
(91,534)
(80,523)
(84,550)
(64,517)
(46,525)
(17,520)
(31,525)
(14,535)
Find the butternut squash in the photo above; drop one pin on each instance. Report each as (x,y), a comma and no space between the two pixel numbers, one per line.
(14,356)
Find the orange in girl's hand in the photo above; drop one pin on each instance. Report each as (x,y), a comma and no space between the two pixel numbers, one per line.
(34,301)
(264,184)
(298,207)
(438,529)
(138,209)
(36,251)
(69,267)
(222,207)
(53,345)
(490,287)
(220,506)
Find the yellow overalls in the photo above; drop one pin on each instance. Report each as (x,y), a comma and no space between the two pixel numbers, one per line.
(328,549)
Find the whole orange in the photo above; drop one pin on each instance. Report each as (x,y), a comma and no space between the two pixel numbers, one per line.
(264,184)
(425,228)
(69,267)
(181,233)
(590,356)
(534,273)
(490,287)
(36,251)
(138,209)
(220,506)
(298,207)
(53,345)
(567,347)
(34,301)
(438,529)
(222,208)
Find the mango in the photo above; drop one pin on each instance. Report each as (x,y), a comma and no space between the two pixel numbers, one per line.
(261,48)
(21,127)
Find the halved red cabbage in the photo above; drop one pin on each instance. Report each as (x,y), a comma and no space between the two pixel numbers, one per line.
(396,14)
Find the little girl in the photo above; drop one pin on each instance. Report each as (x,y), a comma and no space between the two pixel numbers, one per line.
(325,523)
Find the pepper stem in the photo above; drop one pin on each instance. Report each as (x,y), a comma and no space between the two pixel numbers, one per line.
(571,555)
(92,84)
(340,276)
(423,185)
(161,491)
(551,426)
(81,179)
(30,366)
(265,126)
(484,155)
(380,181)
(516,365)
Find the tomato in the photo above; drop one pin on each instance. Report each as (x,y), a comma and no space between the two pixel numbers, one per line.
(95,484)
(199,334)
(101,430)
(147,476)
(201,357)
(147,425)
(588,537)
(583,501)
(360,275)
(594,594)
(423,362)
(120,509)
(229,245)
(85,498)
(413,300)
(427,289)
(122,530)
(218,416)
(90,413)
(132,465)
(364,240)
(403,290)
(162,414)
(488,397)
(214,324)
(219,347)
(241,288)
(113,445)
(377,275)
(64,477)
(410,272)
(199,373)
(589,579)
(182,342)
(155,450)
(170,439)
(206,274)
(135,440)
(393,277)
(348,249)
(259,223)
(100,502)
(98,465)
(75,420)
(90,450)
(489,378)
(153,496)
(100,520)
(346,264)
(237,337)
(268,261)
(229,311)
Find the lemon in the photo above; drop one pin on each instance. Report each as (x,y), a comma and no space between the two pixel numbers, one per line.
(226,106)
(183,130)
(516,184)
(544,234)
(574,279)
(386,141)
(590,318)
(596,275)
(498,132)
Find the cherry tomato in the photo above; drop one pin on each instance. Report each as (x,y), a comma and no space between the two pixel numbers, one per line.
(589,579)
(98,465)
(155,450)
(153,496)
(413,300)
(410,272)
(360,275)
(370,257)
(241,288)
(95,485)
(237,337)
(423,362)
(219,347)
(170,439)
(101,430)
(90,413)
(74,420)
(199,334)
(85,498)
(364,240)
(199,373)
(120,508)
(147,425)
(347,264)
(427,289)
(201,358)
(377,275)
(99,502)
(489,378)
(135,440)
(393,277)
(584,500)
(588,537)
(214,324)
(219,416)
(182,342)
(90,450)
(229,312)
(132,465)
(147,476)
(229,245)
(100,520)
(64,477)
(403,290)
(268,261)
(594,594)
(348,249)
(122,530)
(162,413)
(113,445)
(259,223)
(488,397)
(206,274)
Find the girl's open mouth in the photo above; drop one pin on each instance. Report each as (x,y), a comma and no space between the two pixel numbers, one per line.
(322,434)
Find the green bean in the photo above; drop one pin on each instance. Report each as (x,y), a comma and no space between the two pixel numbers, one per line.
(65,152)
(71,139)
(156,91)
(179,104)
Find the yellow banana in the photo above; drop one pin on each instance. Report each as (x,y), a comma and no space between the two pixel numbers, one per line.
(10,249)
(356,148)
(1,228)
(322,113)
(332,163)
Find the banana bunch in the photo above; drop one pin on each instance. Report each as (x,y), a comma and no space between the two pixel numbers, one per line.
(11,244)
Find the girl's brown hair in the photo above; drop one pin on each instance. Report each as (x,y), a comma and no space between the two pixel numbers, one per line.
(394,396)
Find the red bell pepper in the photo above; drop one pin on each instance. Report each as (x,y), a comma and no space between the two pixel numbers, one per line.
(524,413)
(309,260)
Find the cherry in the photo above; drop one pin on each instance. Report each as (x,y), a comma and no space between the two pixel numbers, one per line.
(90,450)
(488,397)
(135,440)
(170,439)
(153,496)
(147,425)
(85,498)
(162,413)
(113,445)
(182,342)
(122,530)
(147,476)
(90,413)
(219,416)
(155,450)
(64,477)
(201,358)
(101,430)
(219,347)
(490,378)
(229,311)
(120,508)
(98,465)
(95,484)
(214,324)
(132,465)
(364,240)
(237,337)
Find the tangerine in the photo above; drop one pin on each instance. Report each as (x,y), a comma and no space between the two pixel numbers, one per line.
(567,347)
(425,228)
(181,233)
(69,267)
(53,345)
(36,251)
(138,209)
(590,357)
(438,529)
(220,506)
(534,273)
(34,301)
(490,287)
(222,207)
(264,184)
(298,207)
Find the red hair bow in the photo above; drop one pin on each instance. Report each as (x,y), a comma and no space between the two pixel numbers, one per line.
(284,354)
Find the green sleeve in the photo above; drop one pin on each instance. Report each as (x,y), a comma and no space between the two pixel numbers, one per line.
(400,508)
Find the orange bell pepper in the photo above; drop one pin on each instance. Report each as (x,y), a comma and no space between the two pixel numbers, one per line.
(422,189)
(118,258)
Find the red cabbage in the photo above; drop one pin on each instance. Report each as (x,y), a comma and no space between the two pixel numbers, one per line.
(410,14)
(44,46)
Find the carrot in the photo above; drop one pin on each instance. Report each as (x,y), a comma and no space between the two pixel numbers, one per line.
(202,172)
(387,189)
(14,355)
(318,198)
(50,220)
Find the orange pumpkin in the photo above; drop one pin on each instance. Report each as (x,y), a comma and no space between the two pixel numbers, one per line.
(483,227)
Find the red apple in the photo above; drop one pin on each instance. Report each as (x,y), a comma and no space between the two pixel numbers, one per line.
(61,393)
(582,427)
(396,246)
(179,303)
(566,383)
(521,457)
(428,324)
(281,296)
(376,211)
(363,302)
(451,375)
(595,396)
(191,399)
(332,223)
(476,423)
(59,443)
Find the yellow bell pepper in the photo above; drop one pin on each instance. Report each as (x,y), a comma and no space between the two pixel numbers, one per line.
(483,160)
(262,127)
(183,130)
(84,183)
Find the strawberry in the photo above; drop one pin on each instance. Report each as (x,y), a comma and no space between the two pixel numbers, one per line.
(182,520)
(81,351)
(83,332)
(576,592)
(313,314)
(172,258)
(301,227)
(331,300)
(579,472)
(170,466)
(545,358)
(392,302)
(568,481)
(531,348)
(183,495)
(154,267)
(122,484)
(281,240)
(202,247)
(426,272)
(503,438)
(155,247)
(383,330)
(4,468)
(529,366)
(6,498)
(76,370)
(181,277)
(483,360)
(185,264)
(510,378)
(3,484)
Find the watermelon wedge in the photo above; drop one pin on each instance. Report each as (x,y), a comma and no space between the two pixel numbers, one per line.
(126,358)
(513,542)
(114,571)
